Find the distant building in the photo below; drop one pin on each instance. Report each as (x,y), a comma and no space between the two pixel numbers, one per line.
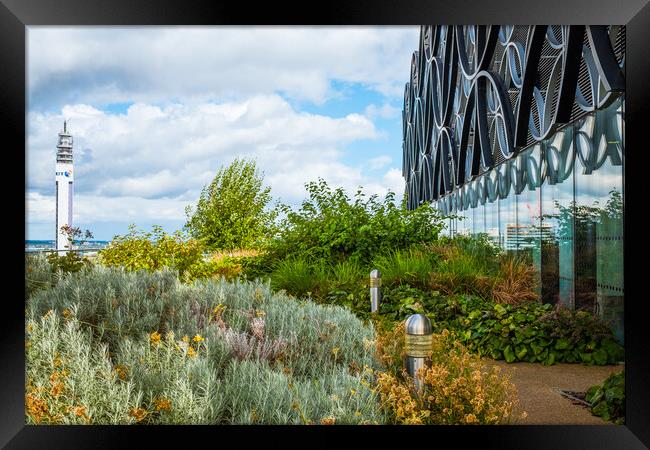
(64,188)
(518,237)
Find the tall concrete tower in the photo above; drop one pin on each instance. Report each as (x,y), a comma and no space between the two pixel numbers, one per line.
(64,187)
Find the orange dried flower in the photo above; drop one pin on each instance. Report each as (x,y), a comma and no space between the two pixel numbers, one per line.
(328,421)
(138,414)
(122,371)
(36,408)
(163,404)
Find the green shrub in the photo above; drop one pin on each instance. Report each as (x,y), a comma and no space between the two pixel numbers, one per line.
(608,399)
(332,227)
(530,332)
(154,250)
(69,263)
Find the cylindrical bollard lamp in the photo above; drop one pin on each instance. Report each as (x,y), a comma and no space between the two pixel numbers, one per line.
(375,290)
(419,341)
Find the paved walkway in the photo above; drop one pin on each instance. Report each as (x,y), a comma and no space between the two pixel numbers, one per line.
(538,396)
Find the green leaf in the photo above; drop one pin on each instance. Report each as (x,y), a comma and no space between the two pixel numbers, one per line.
(601,410)
(509,354)
(521,352)
(561,344)
(500,310)
(550,360)
(615,393)
(600,357)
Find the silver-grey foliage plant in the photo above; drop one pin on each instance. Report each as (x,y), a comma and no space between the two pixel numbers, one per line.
(139,347)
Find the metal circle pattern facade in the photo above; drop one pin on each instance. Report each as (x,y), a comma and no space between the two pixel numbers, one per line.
(478,95)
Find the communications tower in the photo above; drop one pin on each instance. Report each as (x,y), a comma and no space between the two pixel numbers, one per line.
(64,188)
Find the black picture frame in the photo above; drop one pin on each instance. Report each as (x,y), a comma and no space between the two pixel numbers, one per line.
(16,15)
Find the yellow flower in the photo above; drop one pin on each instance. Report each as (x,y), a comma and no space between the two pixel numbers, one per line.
(155,337)
(186,339)
(197,339)
(191,352)
(353,392)
(67,313)
(335,351)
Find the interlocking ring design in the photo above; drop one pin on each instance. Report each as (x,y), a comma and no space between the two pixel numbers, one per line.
(478,95)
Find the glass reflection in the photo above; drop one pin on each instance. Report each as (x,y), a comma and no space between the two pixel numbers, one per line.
(599,215)
(556,226)
(559,204)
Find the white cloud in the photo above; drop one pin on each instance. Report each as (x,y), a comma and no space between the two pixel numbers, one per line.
(152,161)
(93,208)
(385,111)
(201,96)
(379,162)
(153,64)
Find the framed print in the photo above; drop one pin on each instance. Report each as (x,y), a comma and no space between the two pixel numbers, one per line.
(352,215)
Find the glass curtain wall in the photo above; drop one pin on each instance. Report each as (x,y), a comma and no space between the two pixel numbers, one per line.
(559,203)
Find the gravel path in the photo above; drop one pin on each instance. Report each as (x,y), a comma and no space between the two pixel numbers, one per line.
(538,391)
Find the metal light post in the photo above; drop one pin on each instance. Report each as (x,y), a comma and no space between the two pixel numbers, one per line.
(375,292)
(419,341)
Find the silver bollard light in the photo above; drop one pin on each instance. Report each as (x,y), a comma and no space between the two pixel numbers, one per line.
(375,290)
(418,345)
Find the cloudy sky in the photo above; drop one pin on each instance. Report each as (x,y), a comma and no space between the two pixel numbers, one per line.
(156,111)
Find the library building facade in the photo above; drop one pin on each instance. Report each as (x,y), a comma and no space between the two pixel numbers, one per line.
(517,133)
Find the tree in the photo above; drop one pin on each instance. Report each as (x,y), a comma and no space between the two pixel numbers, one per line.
(232,210)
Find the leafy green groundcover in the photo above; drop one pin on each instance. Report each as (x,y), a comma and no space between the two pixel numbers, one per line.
(531,332)
(608,399)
